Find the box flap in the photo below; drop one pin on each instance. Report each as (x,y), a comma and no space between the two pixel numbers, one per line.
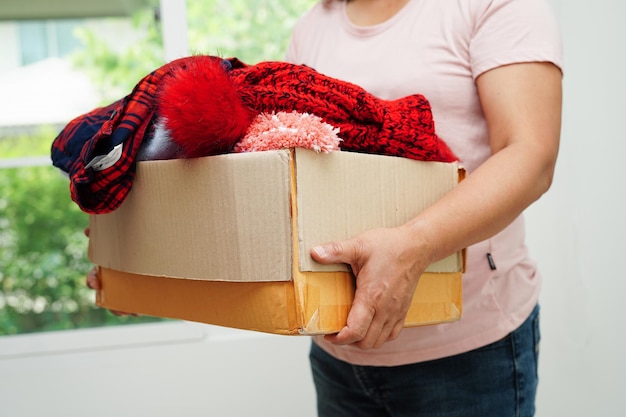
(342,194)
(152,231)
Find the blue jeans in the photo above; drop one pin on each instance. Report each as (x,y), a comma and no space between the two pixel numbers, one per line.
(497,380)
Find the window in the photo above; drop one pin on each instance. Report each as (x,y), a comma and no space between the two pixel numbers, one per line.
(43,259)
(41,39)
(42,247)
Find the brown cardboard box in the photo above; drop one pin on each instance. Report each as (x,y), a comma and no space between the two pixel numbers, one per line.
(226,239)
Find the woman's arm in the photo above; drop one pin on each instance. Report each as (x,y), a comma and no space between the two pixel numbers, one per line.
(522,106)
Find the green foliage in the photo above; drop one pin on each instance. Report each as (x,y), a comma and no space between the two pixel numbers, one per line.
(27,145)
(252,31)
(116,73)
(42,251)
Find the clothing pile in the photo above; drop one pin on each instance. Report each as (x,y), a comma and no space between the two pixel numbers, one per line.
(204,105)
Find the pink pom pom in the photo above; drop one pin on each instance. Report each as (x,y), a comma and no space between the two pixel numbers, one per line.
(282,130)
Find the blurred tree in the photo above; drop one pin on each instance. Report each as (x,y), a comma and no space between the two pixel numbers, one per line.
(252,31)
(42,256)
(116,72)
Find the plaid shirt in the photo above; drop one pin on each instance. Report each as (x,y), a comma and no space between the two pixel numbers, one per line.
(125,122)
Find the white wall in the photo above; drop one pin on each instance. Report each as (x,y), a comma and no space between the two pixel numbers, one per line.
(156,370)
(577,231)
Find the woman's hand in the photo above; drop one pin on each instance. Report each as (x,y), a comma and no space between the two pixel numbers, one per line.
(92,276)
(387,265)
(92,279)
(522,105)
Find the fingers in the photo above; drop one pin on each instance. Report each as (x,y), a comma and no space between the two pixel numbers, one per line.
(92,279)
(332,253)
(366,327)
(358,324)
(385,286)
(123,314)
(372,337)
(94,283)
(348,252)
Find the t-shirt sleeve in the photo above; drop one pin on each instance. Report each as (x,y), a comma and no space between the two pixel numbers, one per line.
(514,31)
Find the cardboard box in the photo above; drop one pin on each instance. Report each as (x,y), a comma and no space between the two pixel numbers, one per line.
(226,239)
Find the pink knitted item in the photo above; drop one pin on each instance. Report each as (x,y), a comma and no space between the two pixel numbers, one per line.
(281,130)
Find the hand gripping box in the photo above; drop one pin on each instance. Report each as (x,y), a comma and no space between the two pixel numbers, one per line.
(225,239)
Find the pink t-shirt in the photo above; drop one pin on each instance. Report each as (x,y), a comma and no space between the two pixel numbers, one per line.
(438,48)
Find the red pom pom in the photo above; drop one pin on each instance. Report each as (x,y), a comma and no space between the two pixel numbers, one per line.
(201,110)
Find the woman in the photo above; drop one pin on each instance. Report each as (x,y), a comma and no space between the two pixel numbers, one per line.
(491,70)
